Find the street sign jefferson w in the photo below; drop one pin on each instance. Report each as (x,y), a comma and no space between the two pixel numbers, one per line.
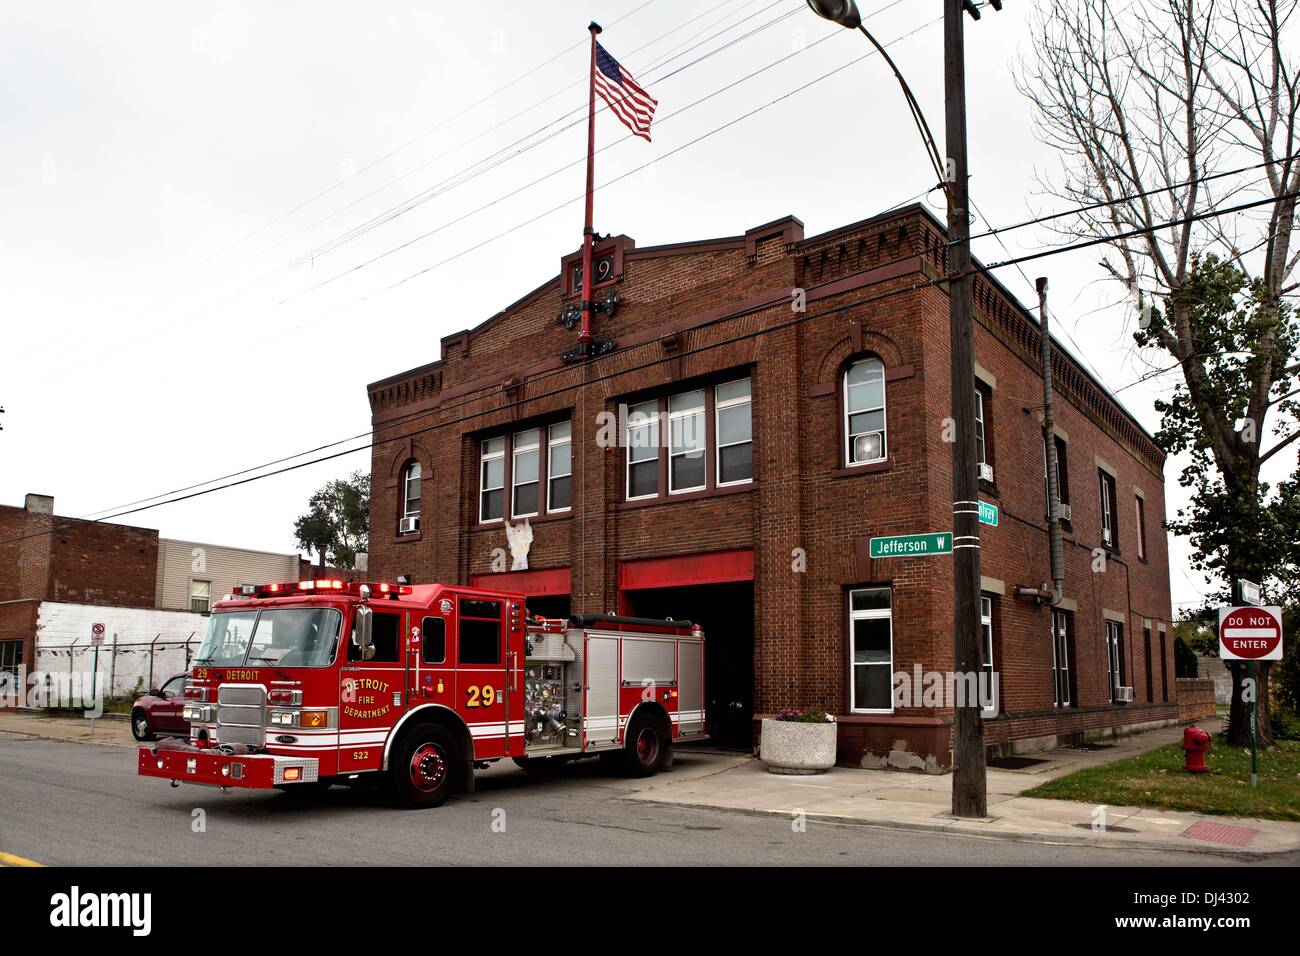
(911,545)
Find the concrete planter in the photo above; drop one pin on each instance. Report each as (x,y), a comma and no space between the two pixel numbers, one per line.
(789,746)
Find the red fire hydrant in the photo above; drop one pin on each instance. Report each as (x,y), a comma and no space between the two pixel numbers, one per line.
(1196,744)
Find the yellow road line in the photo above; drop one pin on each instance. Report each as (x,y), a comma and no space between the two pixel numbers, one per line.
(8,859)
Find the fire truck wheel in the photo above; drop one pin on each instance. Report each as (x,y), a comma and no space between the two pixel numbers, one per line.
(427,768)
(649,747)
(140,728)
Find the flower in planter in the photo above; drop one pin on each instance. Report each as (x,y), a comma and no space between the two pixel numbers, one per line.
(799,715)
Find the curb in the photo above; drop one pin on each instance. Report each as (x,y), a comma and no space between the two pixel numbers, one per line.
(35,735)
(959,829)
(63,714)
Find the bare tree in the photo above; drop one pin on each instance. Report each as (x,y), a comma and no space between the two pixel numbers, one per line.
(1167,112)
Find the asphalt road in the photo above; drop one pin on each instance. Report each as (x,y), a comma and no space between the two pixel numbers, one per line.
(83,805)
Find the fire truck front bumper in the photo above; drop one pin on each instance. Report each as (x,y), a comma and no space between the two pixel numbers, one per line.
(217,769)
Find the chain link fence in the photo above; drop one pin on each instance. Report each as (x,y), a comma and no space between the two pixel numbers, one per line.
(122,669)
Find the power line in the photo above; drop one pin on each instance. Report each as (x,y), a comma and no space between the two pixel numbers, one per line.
(434,191)
(502,156)
(419,136)
(233,474)
(1084,360)
(499,125)
(1143,230)
(1194,181)
(609,182)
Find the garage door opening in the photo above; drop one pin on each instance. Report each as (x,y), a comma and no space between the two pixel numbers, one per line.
(545,591)
(548,605)
(726,612)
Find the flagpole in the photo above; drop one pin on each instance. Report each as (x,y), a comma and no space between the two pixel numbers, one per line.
(588,234)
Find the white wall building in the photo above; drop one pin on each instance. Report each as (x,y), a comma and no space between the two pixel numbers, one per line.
(133,637)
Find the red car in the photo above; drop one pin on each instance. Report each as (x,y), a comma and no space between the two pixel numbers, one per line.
(159,711)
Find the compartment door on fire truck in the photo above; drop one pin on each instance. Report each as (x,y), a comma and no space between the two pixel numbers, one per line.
(372,694)
(481,673)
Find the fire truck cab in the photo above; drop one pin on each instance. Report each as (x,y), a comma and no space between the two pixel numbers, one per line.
(309,683)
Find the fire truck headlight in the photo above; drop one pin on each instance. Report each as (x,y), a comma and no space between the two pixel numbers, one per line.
(282,717)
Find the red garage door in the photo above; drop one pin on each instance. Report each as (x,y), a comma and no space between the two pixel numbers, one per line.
(546,582)
(714,567)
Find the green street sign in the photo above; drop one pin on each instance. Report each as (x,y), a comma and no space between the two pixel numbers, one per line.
(988,514)
(911,545)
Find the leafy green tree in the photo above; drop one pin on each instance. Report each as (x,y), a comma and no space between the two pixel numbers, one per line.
(336,525)
(1243,339)
(1167,112)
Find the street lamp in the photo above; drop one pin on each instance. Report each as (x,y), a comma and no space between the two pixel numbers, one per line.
(845,13)
(969,785)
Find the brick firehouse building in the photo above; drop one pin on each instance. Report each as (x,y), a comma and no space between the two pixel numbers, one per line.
(758,450)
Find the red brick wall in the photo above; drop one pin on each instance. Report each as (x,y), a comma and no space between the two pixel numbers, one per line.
(18,623)
(673,331)
(49,558)
(103,564)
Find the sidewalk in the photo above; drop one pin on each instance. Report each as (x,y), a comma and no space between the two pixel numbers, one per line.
(895,799)
(108,730)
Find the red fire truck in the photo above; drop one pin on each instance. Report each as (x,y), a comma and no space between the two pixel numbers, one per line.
(309,683)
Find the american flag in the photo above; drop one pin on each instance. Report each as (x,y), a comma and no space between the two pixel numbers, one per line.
(626,99)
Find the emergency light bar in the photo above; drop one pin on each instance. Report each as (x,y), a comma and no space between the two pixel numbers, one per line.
(320,586)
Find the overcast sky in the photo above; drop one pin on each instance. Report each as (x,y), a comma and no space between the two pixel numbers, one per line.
(181,182)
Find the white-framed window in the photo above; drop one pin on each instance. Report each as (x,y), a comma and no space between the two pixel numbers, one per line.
(687,460)
(200,596)
(871,644)
(1060,659)
(1107,497)
(525,473)
(734,432)
(492,479)
(641,439)
(981,449)
(11,665)
(864,412)
(559,467)
(986,635)
(1140,519)
(411,490)
(1114,658)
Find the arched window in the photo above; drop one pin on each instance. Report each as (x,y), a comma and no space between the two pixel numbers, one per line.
(864,412)
(410,498)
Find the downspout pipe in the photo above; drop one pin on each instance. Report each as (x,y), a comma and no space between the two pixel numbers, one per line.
(1049,441)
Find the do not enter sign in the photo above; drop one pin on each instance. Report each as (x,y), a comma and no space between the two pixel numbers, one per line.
(1250,633)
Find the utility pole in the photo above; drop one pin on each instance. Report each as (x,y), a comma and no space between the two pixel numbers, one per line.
(969,796)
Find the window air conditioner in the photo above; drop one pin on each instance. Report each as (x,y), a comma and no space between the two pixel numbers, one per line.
(409,524)
(1123,695)
(986,473)
(1062,511)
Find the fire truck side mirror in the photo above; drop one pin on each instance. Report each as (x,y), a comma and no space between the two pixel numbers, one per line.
(362,630)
